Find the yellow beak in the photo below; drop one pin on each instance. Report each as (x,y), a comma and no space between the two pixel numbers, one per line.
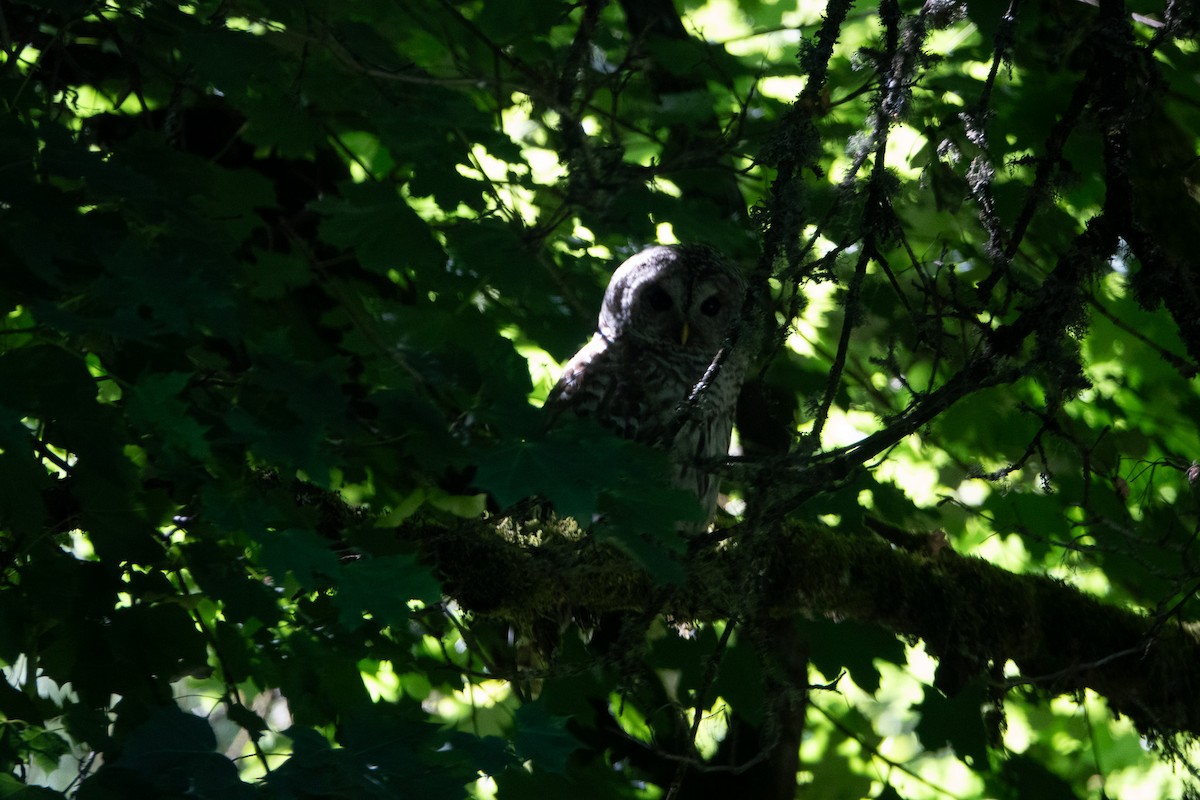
(683,334)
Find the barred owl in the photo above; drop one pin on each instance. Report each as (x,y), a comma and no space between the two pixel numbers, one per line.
(665,318)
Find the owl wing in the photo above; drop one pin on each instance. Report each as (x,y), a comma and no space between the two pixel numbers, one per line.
(596,384)
(573,383)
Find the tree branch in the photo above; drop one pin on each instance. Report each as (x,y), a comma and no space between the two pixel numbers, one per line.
(965,609)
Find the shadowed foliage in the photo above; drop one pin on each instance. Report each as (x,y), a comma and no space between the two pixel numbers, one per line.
(284,284)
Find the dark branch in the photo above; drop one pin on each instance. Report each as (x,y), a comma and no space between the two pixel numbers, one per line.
(1061,639)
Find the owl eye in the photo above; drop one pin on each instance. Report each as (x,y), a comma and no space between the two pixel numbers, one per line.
(711,306)
(659,299)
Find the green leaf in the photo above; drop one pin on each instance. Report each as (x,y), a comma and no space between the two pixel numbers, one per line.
(685,107)
(13,789)
(655,553)
(835,770)
(45,747)
(175,752)
(155,406)
(515,470)
(853,646)
(542,738)
(169,732)
(491,755)
(208,47)
(688,57)
(383,586)
(508,23)
(956,721)
(740,681)
(379,226)
(301,554)
(550,466)
(1027,777)
(280,122)
(22,509)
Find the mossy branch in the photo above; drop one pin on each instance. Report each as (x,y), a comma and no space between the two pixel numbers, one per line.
(971,614)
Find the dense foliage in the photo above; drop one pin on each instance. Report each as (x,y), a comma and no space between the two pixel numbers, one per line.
(283,283)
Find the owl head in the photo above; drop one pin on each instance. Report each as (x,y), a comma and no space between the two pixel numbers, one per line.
(674,296)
